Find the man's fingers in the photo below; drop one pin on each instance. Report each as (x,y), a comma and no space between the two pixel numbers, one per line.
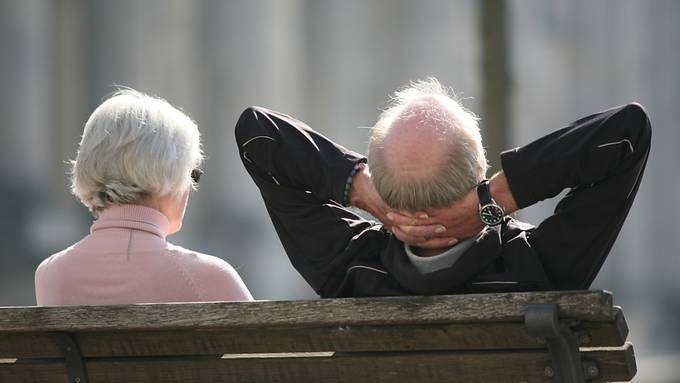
(427,232)
(407,239)
(431,243)
(409,219)
(399,219)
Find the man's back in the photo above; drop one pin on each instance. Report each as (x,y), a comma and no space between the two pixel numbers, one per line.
(304,178)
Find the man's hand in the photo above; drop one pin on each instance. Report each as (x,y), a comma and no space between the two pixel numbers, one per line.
(364,196)
(461,219)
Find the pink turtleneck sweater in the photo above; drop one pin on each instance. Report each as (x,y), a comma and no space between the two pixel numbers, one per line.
(126,259)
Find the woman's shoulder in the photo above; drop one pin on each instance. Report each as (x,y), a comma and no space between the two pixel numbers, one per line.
(197,260)
(55,260)
(218,279)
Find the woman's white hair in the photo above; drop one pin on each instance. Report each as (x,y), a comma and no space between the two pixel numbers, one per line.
(466,164)
(134,147)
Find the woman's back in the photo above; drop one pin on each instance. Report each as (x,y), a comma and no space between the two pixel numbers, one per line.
(126,259)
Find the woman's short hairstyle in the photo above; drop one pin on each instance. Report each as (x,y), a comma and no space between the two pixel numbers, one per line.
(466,164)
(134,146)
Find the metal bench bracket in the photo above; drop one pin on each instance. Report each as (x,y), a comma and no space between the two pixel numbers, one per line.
(542,320)
(75,367)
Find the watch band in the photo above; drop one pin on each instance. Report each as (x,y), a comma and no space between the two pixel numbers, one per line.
(483,193)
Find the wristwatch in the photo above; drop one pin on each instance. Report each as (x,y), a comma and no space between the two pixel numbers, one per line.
(490,212)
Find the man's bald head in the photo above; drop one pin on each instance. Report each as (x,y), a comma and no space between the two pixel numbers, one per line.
(425,150)
(419,140)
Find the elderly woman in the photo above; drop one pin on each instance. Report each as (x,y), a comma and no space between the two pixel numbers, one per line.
(137,162)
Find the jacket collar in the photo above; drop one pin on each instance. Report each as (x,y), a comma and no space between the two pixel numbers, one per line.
(487,247)
(135,217)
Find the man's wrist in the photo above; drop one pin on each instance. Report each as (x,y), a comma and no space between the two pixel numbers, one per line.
(357,197)
(501,193)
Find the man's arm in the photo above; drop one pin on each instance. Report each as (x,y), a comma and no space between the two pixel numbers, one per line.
(302,177)
(600,158)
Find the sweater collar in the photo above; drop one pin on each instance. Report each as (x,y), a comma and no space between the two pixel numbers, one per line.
(134,217)
(486,247)
(440,261)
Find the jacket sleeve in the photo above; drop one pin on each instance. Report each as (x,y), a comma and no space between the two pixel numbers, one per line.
(301,176)
(600,158)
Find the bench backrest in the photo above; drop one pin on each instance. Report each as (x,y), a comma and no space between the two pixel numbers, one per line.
(461,338)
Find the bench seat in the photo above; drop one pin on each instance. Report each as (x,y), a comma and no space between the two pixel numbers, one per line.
(456,338)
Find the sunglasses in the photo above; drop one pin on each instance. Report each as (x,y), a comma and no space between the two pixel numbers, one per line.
(196,175)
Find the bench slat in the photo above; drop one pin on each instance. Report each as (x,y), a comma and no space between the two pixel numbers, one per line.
(590,305)
(424,367)
(345,338)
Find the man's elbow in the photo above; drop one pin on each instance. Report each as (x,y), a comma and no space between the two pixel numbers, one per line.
(639,118)
(245,124)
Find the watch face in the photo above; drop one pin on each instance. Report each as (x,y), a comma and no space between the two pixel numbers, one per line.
(491,214)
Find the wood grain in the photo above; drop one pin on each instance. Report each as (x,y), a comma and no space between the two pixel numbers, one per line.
(399,339)
(422,367)
(589,305)
(464,336)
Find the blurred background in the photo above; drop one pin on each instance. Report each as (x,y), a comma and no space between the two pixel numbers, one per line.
(526,67)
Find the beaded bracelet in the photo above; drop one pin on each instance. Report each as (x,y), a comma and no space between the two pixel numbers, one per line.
(348,184)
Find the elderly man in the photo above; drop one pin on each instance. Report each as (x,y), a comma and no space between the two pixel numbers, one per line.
(445,228)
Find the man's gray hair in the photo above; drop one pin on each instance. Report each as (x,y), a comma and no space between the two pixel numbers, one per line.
(134,146)
(466,163)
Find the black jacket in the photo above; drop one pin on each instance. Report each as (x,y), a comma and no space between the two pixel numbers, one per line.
(301,176)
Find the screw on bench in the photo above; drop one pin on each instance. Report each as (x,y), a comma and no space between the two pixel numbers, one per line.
(590,369)
(549,372)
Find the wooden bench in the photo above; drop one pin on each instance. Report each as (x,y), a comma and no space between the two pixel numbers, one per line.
(509,337)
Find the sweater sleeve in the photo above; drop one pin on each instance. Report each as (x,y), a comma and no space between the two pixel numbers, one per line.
(600,159)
